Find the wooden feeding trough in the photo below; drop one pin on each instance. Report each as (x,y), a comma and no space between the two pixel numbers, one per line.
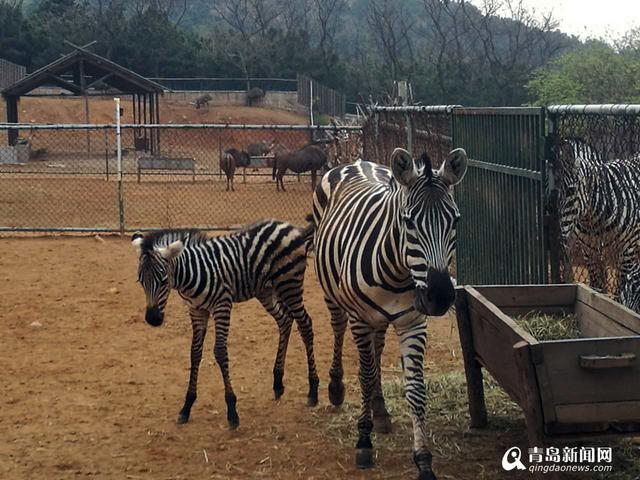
(583,387)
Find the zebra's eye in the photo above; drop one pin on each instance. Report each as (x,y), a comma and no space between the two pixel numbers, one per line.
(408,222)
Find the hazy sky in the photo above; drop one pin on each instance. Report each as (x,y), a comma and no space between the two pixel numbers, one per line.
(591,17)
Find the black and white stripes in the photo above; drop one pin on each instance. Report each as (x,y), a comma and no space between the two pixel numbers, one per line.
(266,261)
(384,239)
(600,206)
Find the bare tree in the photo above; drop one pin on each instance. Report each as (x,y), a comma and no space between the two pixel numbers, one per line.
(514,39)
(391,27)
(327,13)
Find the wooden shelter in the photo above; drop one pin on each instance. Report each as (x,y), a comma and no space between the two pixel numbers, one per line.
(83,73)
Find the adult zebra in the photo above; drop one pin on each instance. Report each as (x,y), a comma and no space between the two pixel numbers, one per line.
(384,240)
(600,204)
(266,261)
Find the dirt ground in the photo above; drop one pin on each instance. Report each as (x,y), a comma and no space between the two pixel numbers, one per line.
(71,110)
(95,392)
(93,202)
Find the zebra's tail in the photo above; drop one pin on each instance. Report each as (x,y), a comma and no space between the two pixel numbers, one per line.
(307,233)
(273,173)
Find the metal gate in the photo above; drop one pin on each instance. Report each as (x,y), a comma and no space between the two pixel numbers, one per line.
(501,235)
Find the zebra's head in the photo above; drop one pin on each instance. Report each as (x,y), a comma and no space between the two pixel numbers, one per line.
(630,289)
(575,156)
(155,273)
(428,220)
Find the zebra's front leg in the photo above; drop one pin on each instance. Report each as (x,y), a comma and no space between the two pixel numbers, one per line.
(413,343)
(339,325)
(222,315)
(364,338)
(290,294)
(284,322)
(199,320)
(381,417)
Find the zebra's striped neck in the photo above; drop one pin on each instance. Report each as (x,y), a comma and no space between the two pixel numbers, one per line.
(391,258)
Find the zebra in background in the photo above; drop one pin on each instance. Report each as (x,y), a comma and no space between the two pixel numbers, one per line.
(266,261)
(630,289)
(600,206)
(383,243)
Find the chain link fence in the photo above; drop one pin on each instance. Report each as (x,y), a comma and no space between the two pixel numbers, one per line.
(417,129)
(65,177)
(597,135)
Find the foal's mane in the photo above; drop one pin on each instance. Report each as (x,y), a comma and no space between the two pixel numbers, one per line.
(162,238)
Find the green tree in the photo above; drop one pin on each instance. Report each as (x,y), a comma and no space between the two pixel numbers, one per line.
(15,38)
(596,73)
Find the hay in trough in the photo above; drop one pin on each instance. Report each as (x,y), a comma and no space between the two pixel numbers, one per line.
(549,327)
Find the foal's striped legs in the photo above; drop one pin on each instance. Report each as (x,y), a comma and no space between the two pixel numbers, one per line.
(199,321)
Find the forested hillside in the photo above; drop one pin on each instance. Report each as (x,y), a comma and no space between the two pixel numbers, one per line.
(451,50)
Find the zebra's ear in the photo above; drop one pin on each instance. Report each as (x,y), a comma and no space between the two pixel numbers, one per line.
(172,250)
(136,241)
(403,167)
(454,168)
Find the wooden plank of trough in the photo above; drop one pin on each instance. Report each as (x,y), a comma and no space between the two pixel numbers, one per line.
(551,310)
(570,383)
(472,369)
(593,323)
(607,307)
(494,335)
(530,296)
(609,411)
(530,393)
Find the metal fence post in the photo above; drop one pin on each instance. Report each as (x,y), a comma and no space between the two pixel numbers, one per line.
(554,243)
(409,128)
(119,163)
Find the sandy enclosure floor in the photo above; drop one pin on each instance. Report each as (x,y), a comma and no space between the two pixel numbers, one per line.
(95,392)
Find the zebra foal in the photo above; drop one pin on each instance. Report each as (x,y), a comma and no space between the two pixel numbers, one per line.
(383,243)
(266,261)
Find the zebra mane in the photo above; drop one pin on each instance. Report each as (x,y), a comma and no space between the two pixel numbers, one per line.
(162,238)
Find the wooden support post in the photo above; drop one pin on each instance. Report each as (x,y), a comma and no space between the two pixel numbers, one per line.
(12,117)
(472,369)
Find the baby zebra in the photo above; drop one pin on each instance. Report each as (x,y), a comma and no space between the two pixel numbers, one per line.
(266,261)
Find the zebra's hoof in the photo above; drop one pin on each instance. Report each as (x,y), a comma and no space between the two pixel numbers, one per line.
(336,393)
(182,419)
(312,396)
(278,392)
(364,457)
(426,475)
(382,424)
(234,423)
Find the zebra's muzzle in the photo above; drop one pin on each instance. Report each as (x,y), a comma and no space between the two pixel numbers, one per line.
(154,316)
(437,297)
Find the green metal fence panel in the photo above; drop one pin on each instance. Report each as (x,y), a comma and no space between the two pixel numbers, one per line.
(501,233)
